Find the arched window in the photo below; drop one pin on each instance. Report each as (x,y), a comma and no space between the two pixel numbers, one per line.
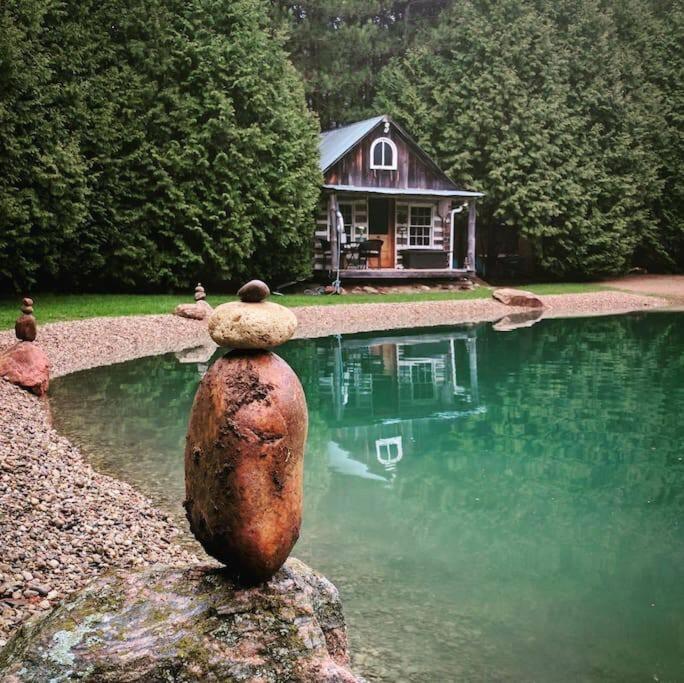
(383,154)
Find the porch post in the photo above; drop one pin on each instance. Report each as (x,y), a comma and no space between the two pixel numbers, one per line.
(332,223)
(471,235)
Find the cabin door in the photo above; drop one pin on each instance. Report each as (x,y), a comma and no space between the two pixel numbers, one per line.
(381,227)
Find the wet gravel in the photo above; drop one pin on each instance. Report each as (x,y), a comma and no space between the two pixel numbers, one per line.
(62,523)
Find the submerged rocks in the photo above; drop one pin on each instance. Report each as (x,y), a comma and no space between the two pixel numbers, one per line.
(244,463)
(517,297)
(189,624)
(515,321)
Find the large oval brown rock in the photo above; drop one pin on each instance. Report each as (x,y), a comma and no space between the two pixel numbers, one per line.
(244,463)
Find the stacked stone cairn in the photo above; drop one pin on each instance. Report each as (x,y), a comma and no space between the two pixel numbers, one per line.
(197,311)
(25,364)
(25,326)
(244,454)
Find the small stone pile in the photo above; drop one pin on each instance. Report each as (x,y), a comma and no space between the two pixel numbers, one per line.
(25,364)
(197,311)
(245,445)
(25,327)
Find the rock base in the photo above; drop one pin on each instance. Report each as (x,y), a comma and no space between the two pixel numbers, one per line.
(26,365)
(187,624)
(197,311)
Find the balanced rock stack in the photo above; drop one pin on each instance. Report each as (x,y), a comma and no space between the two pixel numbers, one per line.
(200,294)
(25,364)
(244,455)
(197,311)
(25,326)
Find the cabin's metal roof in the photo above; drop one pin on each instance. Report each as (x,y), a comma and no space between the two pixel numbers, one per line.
(335,143)
(410,192)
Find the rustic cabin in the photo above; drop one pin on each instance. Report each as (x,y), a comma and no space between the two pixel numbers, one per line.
(387,210)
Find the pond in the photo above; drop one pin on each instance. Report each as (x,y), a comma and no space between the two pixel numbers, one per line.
(499,506)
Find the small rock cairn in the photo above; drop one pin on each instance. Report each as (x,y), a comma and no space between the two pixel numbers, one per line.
(25,364)
(197,311)
(25,326)
(200,294)
(244,454)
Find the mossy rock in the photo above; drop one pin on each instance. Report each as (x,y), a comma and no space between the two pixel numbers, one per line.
(187,624)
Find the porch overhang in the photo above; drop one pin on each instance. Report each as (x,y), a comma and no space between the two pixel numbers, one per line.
(404,192)
(403,273)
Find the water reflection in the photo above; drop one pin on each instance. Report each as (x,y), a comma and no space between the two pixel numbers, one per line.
(500,507)
(379,395)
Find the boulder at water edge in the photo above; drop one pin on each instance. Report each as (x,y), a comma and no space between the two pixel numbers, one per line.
(517,297)
(26,365)
(187,624)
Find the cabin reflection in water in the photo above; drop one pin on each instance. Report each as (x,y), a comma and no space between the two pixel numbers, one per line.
(382,395)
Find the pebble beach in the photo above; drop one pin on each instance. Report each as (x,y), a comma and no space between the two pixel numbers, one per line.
(62,523)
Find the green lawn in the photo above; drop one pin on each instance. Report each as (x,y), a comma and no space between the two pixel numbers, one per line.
(56,307)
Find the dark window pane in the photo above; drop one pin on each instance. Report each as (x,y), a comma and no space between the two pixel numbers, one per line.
(377,154)
(388,154)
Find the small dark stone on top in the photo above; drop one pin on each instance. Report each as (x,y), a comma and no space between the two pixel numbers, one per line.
(254,291)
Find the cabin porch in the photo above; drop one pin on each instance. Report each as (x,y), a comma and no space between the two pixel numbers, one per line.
(393,235)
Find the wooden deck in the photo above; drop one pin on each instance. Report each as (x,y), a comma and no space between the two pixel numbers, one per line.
(402,274)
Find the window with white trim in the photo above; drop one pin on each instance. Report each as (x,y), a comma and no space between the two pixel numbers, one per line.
(420,226)
(383,155)
(354,217)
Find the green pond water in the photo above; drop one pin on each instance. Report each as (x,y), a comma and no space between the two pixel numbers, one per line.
(493,506)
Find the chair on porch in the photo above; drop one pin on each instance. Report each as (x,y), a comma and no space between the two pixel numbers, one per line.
(369,249)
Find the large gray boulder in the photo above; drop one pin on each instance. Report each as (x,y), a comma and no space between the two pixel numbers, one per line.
(187,624)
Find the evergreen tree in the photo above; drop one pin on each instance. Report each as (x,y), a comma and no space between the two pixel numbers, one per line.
(340,48)
(42,175)
(199,152)
(528,102)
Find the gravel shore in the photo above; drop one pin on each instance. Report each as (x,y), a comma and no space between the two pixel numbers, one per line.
(62,523)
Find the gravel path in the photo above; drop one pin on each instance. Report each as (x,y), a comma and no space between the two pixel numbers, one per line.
(671,286)
(62,523)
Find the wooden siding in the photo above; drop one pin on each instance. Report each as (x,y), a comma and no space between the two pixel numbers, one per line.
(413,169)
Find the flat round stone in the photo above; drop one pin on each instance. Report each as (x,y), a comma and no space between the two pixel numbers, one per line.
(254,291)
(240,325)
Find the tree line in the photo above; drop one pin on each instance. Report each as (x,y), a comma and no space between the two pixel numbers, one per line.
(566,113)
(147,144)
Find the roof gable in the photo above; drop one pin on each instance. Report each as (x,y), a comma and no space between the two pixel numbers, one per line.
(345,161)
(334,144)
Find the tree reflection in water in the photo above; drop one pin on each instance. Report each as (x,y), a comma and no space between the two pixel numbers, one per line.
(493,506)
